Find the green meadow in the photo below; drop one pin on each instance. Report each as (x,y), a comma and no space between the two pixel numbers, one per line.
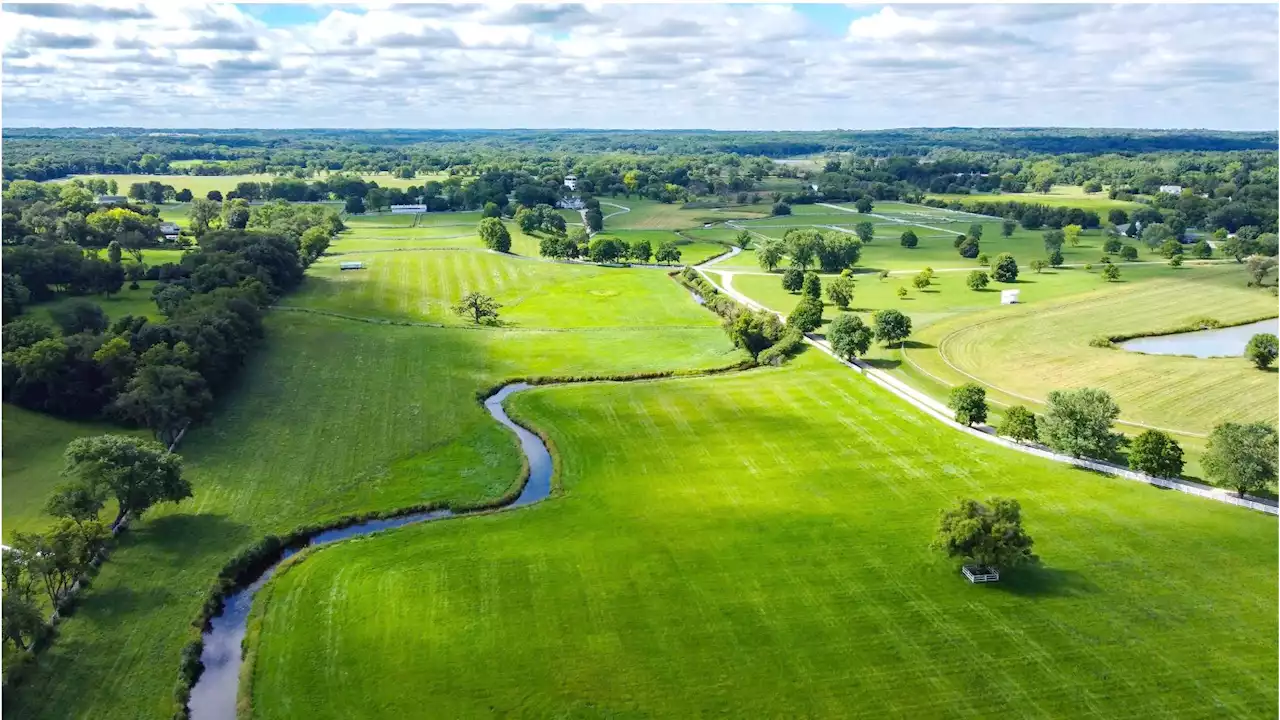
(757,546)
(201,185)
(1058,196)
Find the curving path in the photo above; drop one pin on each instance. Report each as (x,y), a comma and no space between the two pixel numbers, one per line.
(214,694)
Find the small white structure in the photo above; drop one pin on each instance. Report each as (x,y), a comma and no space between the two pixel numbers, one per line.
(571,182)
(979,574)
(169,230)
(351,265)
(112,200)
(1171,189)
(1009,297)
(407,209)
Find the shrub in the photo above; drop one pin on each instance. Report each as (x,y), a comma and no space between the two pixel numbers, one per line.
(969,401)
(1262,350)
(1155,453)
(1005,269)
(1078,423)
(792,279)
(1019,424)
(849,336)
(977,280)
(988,535)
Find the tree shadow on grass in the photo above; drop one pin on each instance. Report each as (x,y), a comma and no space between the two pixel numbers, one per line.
(882,363)
(187,534)
(1038,580)
(917,345)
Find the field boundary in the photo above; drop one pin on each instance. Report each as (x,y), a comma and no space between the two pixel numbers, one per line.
(941,412)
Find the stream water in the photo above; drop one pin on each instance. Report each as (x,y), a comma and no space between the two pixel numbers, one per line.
(213,697)
(1221,342)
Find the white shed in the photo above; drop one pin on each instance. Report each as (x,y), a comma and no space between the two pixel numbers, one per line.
(351,265)
(1009,297)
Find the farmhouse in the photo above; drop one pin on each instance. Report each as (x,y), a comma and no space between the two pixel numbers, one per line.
(169,230)
(112,199)
(1171,189)
(351,265)
(571,182)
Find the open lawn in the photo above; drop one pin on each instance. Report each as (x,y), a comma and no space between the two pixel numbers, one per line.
(126,302)
(757,546)
(653,215)
(1058,196)
(423,285)
(333,417)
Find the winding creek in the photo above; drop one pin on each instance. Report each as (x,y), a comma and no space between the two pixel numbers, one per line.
(213,697)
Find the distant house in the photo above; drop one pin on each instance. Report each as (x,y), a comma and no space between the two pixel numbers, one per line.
(571,203)
(112,199)
(1009,297)
(571,182)
(1171,189)
(351,265)
(170,231)
(407,209)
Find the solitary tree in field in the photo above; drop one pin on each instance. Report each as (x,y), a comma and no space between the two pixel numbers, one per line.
(1258,267)
(921,281)
(849,336)
(863,205)
(909,239)
(1019,424)
(1262,349)
(976,280)
(781,209)
(1005,268)
(1128,253)
(1202,249)
(792,279)
(495,235)
(984,260)
(891,326)
(138,473)
(743,239)
(769,254)
(990,535)
(1007,227)
(1241,456)
(478,307)
(668,252)
(1155,453)
(865,230)
(840,290)
(1110,272)
(1078,423)
(1175,261)
(975,232)
(1038,266)
(1071,233)
(969,401)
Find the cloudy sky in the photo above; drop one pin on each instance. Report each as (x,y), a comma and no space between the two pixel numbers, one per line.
(174,64)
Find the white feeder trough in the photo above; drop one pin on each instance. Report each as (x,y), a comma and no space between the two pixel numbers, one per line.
(1009,297)
(979,573)
(354,265)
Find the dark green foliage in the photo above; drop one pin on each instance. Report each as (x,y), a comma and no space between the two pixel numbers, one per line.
(1078,423)
(1241,456)
(849,336)
(1262,350)
(840,290)
(1018,424)
(1129,253)
(1155,453)
(969,248)
(976,280)
(792,279)
(16,296)
(24,332)
(891,326)
(1112,246)
(812,286)
(908,239)
(807,315)
(969,401)
(1202,249)
(1110,272)
(754,331)
(668,252)
(79,316)
(1005,268)
(780,209)
(1007,227)
(495,234)
(138,473)
(478,308)
(863,204)
(989,536)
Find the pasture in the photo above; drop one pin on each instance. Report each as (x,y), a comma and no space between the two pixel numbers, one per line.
(333,417)
(653,215)
(1058,196)
(757,545)
(423,285)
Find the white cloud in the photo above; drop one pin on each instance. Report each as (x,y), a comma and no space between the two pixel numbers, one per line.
(728,66)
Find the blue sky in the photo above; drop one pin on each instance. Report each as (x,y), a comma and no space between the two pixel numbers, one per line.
(662,66)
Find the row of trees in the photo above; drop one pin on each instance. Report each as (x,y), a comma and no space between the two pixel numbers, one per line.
(830,251)
(65,212)
(1241,456)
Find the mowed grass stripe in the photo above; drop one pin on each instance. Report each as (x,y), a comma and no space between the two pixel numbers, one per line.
(766,543)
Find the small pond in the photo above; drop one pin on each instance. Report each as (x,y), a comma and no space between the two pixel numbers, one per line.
(1222,342)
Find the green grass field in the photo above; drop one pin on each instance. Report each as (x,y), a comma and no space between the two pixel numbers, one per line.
(653,215)
(1058,196)
(126,302)
(424,285)
(757,546)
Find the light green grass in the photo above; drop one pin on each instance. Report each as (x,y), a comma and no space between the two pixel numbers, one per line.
(653,215)
(200,185)
(126,302)
(1058,196)
(757,546)
(33,446)
(332,417)
(424,285)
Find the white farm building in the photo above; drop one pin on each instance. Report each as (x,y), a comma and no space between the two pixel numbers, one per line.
(351,265)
